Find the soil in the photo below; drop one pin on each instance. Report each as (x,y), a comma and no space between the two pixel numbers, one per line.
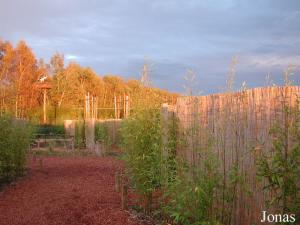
(65,191)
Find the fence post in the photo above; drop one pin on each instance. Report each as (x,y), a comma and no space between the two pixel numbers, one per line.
(165,118)
(73,143)
(126,106)
(124,197)
(115,107)
(90,133)
(117,181)
(70,127)
(41,163)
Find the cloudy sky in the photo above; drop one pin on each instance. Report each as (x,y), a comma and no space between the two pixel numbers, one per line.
(115,36)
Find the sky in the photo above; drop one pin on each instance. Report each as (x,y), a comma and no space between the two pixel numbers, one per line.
(175,36)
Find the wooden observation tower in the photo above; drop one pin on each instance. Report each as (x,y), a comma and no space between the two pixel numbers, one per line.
(44,85)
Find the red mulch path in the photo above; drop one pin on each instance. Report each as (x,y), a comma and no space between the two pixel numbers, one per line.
(66,190)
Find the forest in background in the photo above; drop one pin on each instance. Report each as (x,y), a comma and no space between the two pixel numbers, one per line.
(20,96)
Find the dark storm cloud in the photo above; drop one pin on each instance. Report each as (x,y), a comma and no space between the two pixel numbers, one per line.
(115,36)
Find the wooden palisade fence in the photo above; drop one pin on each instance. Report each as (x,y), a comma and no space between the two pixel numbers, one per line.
(238,125)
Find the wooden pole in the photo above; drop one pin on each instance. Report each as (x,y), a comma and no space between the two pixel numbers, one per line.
(124,197)
(128,112)
(88,105)
(97,108)
(92,108)
(85,106)
(45,116)
(126,106)
(115,106)
(16,108)
(118,181)
(119,106)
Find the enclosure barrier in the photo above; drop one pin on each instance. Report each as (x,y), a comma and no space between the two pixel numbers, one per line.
(237,125)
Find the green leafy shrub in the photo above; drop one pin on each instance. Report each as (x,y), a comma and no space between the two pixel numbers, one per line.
(190,199)
(170,159)
(280,167)
(142,141)
(101,134)
(14,141)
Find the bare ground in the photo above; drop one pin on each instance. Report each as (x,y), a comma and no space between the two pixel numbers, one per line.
(65,190)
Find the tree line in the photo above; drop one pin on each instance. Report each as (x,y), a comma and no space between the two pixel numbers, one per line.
(20,71)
